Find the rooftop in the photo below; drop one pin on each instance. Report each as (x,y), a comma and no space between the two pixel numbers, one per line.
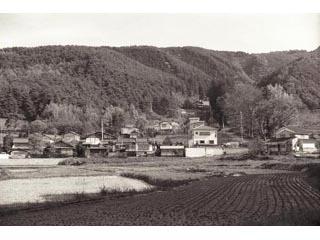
(207,128)
(20,140)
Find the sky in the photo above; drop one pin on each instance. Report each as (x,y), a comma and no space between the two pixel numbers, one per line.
(254,33)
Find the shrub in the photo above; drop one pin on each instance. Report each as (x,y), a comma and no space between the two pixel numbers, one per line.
(103,190)
(256,147)
(72,162)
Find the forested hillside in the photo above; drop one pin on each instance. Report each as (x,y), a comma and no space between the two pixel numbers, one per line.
(146,79)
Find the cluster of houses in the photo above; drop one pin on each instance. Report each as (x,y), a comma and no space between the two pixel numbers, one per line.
(198,140)
(293,139)
(129,142)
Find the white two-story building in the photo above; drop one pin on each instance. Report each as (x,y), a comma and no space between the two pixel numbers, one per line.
(203,136)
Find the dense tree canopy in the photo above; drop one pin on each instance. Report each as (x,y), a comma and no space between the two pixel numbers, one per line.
(70,87)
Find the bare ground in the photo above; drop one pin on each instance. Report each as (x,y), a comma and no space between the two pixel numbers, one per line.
(268,199)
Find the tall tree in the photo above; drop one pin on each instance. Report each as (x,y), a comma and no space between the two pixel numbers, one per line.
(215,93)
(277,110)
(241,106)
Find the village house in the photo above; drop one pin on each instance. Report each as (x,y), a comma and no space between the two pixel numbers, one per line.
(279,146)
(98,138)
(96,151)
(144,147)
(51,138)
(129,132)
(203,136)
(202,103)
(153,127)
(93,139)
(71,137)
(97,144)
(194,119)
(20,148)
(63,149)
(165,127)
(288,139)
(194,122)
(125,145)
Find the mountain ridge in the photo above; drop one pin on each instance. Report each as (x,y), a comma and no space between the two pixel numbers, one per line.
(139,75)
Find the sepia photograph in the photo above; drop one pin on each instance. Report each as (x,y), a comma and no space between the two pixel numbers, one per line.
(159,118)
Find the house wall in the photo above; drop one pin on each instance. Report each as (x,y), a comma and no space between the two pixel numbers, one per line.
(172,152)
(92,141)
(67,152)
(203,152)
(309,147)
(144,147)
(18,154)
(71,137)
(295,144)
(279,148)
(193,120)
(4,156)
(302,136)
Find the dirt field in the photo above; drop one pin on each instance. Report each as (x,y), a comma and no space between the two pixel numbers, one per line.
(247,192)
(273,199)
(164,168)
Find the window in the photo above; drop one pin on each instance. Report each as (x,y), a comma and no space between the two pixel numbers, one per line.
(202,141)
(211,141)
(204,133)
(196,133)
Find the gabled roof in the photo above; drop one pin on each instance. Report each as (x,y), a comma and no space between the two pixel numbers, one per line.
(51,136)
(62,144)
(301,129)
(307,141)
(173,147)
(126,140)
(207,128)
(71,132)
(20,140)
(164,122)
(98,135)
(278,140)
(285,129)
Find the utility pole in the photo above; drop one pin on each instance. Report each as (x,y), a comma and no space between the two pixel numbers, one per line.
(241,126)
(102,130)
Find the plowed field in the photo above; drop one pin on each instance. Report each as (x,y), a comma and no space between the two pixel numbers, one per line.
(271,199)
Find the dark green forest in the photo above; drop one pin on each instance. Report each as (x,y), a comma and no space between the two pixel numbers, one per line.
(149,80)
